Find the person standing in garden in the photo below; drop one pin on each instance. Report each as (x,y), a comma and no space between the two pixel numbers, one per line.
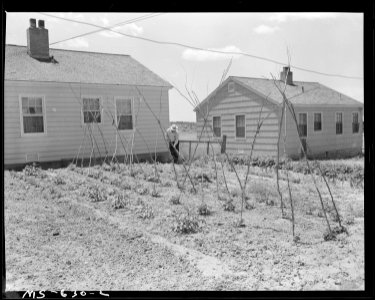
(174,143)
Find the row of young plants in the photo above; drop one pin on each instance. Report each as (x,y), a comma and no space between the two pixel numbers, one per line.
(333,171)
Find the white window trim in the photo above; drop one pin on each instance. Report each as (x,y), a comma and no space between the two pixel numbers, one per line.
(342,114)
(33,134)
(359,127)
(235,128)
(101,109)
(321,121)
(221,127)
(231,86)
(132,104)
(307,123)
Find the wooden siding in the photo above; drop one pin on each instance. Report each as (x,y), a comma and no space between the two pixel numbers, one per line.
(64,127)
(241,102)
(325,140)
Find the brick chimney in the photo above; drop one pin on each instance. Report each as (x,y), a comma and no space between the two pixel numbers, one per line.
(37,41)
(288,74)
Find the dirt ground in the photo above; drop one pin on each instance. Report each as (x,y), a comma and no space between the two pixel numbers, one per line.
(64,230)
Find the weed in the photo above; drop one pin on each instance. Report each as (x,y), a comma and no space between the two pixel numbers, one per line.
(349,220)
(229,206)
(329,236)
(145,212)
(32,181)
(71,167)
(31,170)
(167,183)
(153,179)
(58,180)
(175,200)
(239,223)
(249,205)
(119,201)
(142,190)
(155,193)
(125,186)
(186,224)
(203,210)
(96,194)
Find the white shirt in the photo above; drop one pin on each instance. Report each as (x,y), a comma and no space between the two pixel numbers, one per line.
(172,136)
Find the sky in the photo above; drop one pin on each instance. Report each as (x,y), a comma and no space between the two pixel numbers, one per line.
(324,42)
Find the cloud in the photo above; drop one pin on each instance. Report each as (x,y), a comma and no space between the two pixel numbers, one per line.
(76,43)
(201,55)
(132,29)
(264,29)
(283,17)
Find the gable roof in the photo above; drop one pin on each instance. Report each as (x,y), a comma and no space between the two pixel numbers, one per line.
(79,67)
(301,93)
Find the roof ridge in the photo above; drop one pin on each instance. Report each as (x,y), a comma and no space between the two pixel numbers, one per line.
(68,50)
(271,79)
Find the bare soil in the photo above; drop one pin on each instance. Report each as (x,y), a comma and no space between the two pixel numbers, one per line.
(58,236)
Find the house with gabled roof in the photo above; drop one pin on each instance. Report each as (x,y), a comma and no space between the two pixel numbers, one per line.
(330,123)
(61,103)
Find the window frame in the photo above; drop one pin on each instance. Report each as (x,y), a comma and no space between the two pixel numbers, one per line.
(213,131)
(359,123)
(235,127)
(231,90)
(132,114)
(307,123)
(321,121)
(33,134)
(100,105)
(342,122)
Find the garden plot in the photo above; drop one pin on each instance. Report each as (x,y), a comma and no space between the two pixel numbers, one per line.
(105,228)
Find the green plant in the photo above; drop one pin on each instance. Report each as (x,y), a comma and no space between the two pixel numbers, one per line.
(175,200)
(94,173)
(145,211)
(142,190)
(229,206)
(58,180)
(203,210)
(186,224)
(249,205)
(119,201)
(97,194)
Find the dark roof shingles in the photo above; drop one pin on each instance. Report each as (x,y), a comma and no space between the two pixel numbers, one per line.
(313,93)
(79,67)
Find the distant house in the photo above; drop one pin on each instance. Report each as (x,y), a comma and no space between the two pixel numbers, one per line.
(58,103)
(330,122)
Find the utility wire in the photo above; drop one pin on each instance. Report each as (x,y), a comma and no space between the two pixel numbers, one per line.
(207,50)
(141,18)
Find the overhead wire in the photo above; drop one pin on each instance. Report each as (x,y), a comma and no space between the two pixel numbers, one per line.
(141,18)
(203,49)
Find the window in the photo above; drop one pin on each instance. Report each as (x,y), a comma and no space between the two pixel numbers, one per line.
(338,123)
(32,114)
(317,122)
(91,110)
(124,115)
(355,124)
(240,126)
(302,124)
(230,87)
(216,124)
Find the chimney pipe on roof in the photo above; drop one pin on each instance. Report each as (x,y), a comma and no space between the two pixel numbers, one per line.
(41,23)
(32,23)
(286,75)
(37,40)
